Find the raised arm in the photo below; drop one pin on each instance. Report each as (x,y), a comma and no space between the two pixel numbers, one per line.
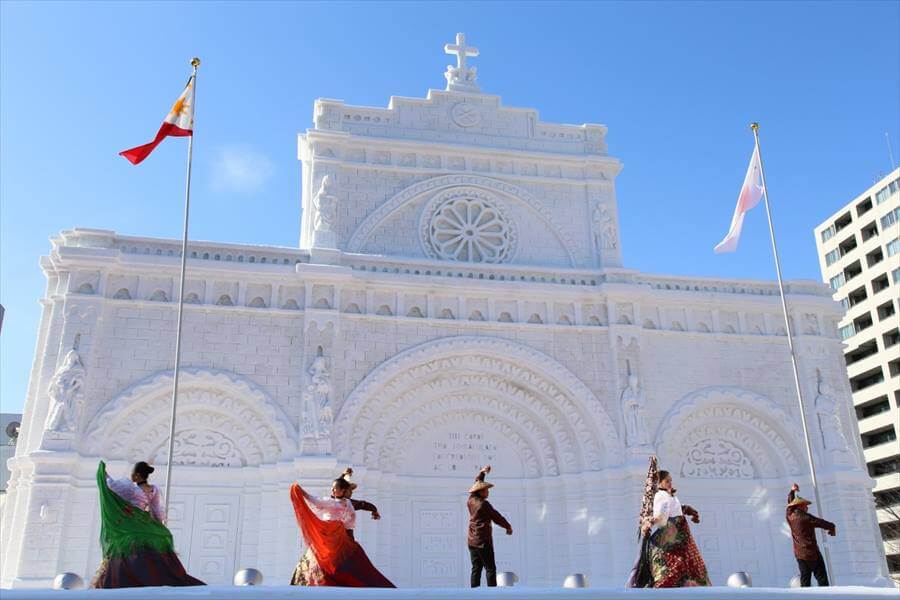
(791,495)
(366,506)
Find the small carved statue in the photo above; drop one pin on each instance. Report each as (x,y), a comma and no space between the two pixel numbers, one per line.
(833,438)
(634,409)
(317,413)
(325,203)
(66,395)
(604,228)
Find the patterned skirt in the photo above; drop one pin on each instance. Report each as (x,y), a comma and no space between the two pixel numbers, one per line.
(307,571)
(675,560)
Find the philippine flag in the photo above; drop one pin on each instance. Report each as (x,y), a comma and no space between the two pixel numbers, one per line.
(179,123)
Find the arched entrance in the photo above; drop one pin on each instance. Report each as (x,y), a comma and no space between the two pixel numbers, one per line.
(735,453)
(226,427)
(423,422)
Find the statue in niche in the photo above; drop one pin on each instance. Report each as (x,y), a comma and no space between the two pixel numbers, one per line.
(317,414)
(66,395)
(833,438)
(634,409)
(325,203)
(604,228)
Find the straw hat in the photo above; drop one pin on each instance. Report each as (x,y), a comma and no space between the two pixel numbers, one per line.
(799,501)
(480,485)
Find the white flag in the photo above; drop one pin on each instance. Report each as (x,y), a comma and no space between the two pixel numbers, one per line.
(751,192)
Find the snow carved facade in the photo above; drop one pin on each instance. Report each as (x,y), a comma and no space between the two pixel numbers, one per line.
(458,298)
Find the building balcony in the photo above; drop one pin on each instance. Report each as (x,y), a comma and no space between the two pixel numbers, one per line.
(869,363)
(888,515)
(879,421)
(884,483)
(882,451)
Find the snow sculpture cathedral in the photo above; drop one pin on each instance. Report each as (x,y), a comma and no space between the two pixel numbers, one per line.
(457,299)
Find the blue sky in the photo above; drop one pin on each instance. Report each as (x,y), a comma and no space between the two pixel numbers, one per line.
(677,84)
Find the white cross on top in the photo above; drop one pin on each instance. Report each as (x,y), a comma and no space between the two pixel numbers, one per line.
(461,51)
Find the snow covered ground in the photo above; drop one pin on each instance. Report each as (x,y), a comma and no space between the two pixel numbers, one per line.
(515,593)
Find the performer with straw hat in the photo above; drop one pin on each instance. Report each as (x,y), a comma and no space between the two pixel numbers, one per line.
(480,535)
(803,531)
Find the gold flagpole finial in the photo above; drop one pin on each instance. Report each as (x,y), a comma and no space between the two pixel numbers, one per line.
(195,62)
(754,126)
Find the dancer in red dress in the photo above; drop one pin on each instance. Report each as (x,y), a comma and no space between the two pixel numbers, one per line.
(333,557)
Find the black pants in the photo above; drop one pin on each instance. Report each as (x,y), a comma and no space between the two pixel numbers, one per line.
(812,567)
(483,558)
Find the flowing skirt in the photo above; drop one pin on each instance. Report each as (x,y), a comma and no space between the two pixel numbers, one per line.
(332,558)
(641,574)
(137,549)
(674,558)
(143,568)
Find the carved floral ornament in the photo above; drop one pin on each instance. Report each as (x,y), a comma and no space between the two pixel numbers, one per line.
(491,187)
(531,391)
(712,431)
(230,419)
(466,224)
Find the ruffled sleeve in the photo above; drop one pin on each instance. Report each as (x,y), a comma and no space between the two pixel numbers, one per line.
(156,509)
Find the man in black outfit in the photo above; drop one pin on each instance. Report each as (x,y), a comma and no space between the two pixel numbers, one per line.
(480,536)
(803,531)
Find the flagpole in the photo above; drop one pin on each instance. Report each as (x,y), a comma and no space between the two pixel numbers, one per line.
(790,337)
(195,62)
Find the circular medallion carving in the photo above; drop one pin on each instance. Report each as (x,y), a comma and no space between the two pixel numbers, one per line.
(466,225)
(465,115)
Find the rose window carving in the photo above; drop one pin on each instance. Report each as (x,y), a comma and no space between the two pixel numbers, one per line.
(717,459)
(467,226)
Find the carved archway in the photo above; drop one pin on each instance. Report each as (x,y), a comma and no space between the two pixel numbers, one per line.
(414,192)
(533,401)
(729,433)
(223,420)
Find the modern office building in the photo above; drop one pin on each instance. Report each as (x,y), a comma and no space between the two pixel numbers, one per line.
(859,253)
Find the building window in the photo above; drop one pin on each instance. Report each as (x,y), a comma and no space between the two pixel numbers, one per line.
(893,246)
(895,275)
(828,233)
(864,206)
(832,257)
(845,302)
(878,438)
(869,231)
(837,281)
(885,467)
(890,218)
(887,191)
(847,331)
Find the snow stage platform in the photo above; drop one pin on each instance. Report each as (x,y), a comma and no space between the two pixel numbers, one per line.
(510,593)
